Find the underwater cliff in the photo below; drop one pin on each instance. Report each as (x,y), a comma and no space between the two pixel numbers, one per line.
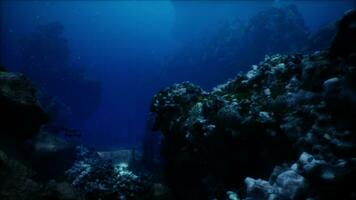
(282,130)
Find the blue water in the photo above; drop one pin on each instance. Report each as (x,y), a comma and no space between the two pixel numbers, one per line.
(126,45)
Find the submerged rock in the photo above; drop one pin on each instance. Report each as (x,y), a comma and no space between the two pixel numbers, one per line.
(287,108)
(99,178)
(21,113)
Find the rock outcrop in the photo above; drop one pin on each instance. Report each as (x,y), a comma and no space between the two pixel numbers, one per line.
(290,114)
(21,114)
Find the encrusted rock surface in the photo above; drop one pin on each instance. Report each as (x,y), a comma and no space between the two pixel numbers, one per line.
(286,108)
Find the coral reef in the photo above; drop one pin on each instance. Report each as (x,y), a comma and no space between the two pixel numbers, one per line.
(286,108)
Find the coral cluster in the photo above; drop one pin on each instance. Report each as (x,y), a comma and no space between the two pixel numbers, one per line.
(286,108)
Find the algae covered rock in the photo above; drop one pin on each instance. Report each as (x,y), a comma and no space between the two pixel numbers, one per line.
(21,113)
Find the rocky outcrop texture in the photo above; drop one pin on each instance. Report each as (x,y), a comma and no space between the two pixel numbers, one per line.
(288,121)
(21,113)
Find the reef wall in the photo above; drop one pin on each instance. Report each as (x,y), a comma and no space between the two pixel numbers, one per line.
(288,120)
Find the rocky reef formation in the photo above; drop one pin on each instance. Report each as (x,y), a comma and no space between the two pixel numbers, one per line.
(289,121)
(21,112)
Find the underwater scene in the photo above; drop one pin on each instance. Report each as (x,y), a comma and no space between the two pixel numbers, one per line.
(178,100)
